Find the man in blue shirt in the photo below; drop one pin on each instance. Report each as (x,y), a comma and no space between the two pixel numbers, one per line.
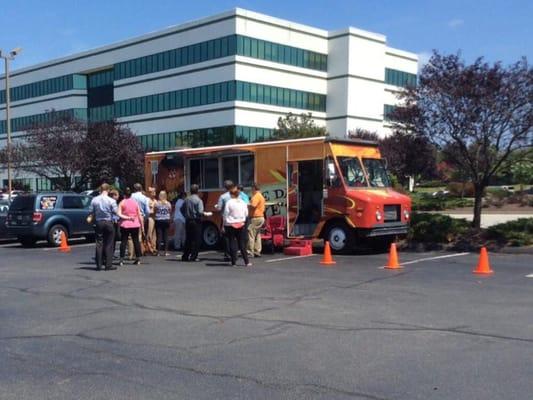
(104,208)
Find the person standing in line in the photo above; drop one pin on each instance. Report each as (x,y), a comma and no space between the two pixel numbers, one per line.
(179,223)
(220,206)
(113,193)
(243,195)
(193,211)
(103,208)
(130,225)
(162,209)
(144,206)
(151,235)
(235,214)
(257,219)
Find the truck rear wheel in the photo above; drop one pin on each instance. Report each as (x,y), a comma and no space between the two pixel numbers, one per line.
(341,238)
(210,236)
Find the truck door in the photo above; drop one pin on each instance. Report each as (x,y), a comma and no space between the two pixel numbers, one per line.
(292,196)
(305,196)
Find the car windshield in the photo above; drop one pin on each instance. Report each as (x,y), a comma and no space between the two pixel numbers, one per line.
(377,174)
(352,171)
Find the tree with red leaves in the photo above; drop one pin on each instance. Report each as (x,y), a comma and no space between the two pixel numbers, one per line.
(477,115)
(72,153)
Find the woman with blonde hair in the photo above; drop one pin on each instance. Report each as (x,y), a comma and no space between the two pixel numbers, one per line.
(162,209)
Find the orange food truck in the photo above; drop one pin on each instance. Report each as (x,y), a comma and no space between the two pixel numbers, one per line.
(319,188)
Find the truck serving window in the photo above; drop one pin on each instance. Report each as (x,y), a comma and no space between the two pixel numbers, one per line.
(352,171)
(377,174)
(206,173)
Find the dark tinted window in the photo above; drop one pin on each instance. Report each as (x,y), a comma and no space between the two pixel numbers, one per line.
(76,202)
(23,203)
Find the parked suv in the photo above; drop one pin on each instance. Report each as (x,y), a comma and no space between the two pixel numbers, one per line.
(46,215)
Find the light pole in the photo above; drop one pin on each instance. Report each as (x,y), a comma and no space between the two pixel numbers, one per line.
(8,57)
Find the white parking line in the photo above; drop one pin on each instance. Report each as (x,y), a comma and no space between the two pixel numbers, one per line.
(288,258)
(529,276)
(434,258)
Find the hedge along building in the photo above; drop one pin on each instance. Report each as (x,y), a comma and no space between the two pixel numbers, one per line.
(219,80)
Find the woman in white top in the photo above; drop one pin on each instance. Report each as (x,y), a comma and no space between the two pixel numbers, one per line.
(179,223)
(234,215)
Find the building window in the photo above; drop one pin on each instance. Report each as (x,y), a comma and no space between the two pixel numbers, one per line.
(399,78)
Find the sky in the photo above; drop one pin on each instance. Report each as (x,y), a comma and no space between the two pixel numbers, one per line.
(496,30)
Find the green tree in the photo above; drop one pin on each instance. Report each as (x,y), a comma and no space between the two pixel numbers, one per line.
(478,114)
(295,126)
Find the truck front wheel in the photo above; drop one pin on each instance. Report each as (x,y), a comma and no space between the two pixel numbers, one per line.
(341,238)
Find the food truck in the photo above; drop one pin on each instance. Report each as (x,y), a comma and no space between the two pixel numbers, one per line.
(320,187)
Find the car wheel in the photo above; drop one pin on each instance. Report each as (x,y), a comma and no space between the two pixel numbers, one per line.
(54,235)
(27,241)
(340,237)
(210,236)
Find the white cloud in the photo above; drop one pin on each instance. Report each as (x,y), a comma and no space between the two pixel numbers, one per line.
(455,23)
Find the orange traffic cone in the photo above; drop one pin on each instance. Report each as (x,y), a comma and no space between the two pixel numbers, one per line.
(327,259)
(393,258)
(483,266)
(64,247)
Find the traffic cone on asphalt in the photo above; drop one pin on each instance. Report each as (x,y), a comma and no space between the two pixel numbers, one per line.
(64,247)
(483,266)
(393,258)
(327,259)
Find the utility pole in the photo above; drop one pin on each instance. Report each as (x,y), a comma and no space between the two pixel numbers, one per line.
(8,57)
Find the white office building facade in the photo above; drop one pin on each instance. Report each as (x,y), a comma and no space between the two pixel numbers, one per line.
(220,80)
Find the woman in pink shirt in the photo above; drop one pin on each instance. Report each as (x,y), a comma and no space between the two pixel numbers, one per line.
(130,223)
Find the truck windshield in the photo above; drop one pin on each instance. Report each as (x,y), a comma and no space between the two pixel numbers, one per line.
(377,174)
(352,171)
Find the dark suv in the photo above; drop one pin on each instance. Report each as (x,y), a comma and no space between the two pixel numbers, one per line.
(45,216)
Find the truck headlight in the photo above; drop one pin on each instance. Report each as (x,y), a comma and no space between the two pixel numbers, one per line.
(378,216)
(406,214)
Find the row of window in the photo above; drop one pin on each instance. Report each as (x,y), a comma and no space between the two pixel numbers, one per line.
(217,48)
(280,53)
(100,78)
(221,135)
(23,123)
(387,110)
(42,88)
(399,78)
(102,113)
(221,92)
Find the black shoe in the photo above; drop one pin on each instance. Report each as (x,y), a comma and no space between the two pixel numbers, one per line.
(257,255)
(111,268)
(137,262)
(98,268)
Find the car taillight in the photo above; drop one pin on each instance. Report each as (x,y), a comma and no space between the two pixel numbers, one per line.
(37,217)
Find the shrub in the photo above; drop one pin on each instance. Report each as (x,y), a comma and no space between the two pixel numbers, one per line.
(461,189)
(430,184)
(426,202)
(436,228)
(513,233)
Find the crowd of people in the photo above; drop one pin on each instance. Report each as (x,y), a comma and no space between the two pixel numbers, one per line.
(141,222)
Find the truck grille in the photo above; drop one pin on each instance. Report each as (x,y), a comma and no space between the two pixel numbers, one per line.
(392,213)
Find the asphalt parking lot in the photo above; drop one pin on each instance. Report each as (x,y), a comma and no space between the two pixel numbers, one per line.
(286,329)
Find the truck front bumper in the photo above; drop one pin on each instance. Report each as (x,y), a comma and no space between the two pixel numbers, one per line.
(386,229)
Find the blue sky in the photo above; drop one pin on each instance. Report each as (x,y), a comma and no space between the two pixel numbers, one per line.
(497,30)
